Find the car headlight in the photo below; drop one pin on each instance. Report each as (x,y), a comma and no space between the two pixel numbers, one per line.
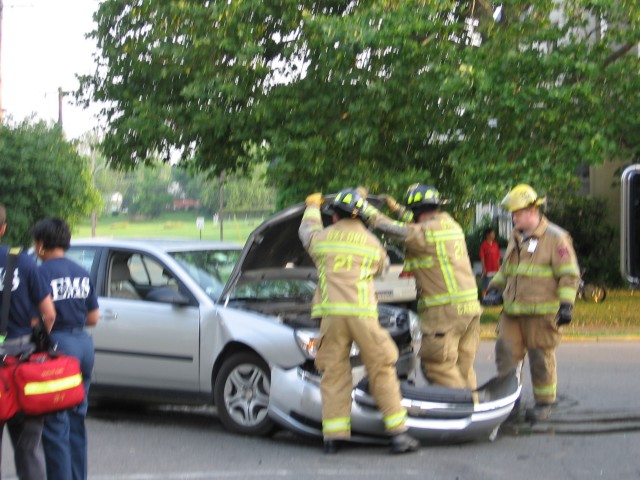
(307,340)
(414,329)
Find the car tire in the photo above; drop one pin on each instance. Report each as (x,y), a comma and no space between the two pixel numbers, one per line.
(241,394)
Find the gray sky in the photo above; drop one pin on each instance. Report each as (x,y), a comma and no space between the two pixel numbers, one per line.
(43,48)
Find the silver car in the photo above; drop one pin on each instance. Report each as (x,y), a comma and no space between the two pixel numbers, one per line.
(193,322)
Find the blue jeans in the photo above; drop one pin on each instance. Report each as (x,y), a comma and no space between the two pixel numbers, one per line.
(64,436)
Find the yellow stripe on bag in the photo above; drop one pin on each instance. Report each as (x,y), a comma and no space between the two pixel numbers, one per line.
(38,388)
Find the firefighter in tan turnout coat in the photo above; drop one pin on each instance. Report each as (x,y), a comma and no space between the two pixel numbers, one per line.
(436,254)
(347,257)
(537,284)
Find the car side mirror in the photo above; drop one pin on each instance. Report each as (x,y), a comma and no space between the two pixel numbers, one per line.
(630,225)
(167,295)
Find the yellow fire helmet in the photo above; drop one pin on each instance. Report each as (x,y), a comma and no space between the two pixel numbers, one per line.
(520,197)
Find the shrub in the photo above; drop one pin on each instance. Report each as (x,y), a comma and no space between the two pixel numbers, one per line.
(596,242)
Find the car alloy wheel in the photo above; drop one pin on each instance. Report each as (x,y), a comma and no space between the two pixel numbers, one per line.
(242,394)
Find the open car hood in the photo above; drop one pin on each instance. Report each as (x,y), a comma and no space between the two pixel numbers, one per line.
(275,243)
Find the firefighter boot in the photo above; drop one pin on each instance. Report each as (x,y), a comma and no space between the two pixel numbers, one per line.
(332,445)
(403,443)
(540,413)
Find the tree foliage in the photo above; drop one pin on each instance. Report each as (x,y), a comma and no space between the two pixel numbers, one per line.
(151,189)
(42,175)
(381,93)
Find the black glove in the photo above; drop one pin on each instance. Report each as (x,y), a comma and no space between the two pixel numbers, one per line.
(564,314)
(492,298)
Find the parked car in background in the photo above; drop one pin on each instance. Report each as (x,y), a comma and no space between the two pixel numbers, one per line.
(396,286)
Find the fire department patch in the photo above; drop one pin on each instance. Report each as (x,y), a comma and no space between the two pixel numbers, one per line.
(563,251)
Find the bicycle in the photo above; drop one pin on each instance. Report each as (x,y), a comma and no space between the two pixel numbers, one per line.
(592,291)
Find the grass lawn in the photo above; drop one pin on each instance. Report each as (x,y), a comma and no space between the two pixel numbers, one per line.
(174,225)
(617,316)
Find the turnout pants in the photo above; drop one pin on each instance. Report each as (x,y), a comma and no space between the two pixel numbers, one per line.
(379,354)
(537,335)
(450,341)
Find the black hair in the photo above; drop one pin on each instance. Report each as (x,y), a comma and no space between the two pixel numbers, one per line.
(420,209)
(52,232)
(487,231)
(341,214)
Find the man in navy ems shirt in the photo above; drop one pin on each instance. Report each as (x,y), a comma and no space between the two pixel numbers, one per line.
(64,437)
(29,294)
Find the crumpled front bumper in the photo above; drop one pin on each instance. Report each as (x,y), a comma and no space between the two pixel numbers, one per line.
(296,404)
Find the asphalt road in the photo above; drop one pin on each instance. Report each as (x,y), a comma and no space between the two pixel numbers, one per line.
(594,433)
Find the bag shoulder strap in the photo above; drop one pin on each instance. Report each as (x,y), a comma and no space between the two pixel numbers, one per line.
(12,256)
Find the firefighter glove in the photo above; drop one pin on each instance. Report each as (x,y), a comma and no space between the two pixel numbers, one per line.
(564,314)
(492,298)
(315,199)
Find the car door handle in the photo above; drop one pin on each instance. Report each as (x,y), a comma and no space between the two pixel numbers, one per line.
(109,315)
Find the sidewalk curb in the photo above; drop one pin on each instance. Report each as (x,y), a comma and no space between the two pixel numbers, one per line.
(580,338)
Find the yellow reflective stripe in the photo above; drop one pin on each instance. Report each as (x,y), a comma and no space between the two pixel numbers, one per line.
(395,420)
(513,308)
(51,386)
(444,235)
(342,247)
(363,286)
(545,391)
(567,293)
(342,424)
(499,280)
(322,278)
(312,213)
(446,298)
(418,263)
(344,309)
(370,211)
(567,270)
(15,250)
(527,270)
(446,267)
(407,216)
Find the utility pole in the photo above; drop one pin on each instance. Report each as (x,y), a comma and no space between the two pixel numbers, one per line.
(61,94)
(221,206)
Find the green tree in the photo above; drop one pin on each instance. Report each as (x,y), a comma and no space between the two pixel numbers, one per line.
(148,195)
(42,175)
(381,93)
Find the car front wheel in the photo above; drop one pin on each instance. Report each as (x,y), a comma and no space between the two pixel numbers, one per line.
(241,394)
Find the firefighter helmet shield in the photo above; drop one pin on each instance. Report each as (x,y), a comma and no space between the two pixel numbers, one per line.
(349,201)
(419,195)
(520,197)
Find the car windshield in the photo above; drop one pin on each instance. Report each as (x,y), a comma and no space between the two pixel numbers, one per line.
(209,268)
(275,289)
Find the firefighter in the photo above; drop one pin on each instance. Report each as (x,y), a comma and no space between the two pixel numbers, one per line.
(436,254)
(537,285)
(347,257)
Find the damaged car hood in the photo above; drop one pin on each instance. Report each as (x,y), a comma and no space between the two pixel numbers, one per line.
(275,244)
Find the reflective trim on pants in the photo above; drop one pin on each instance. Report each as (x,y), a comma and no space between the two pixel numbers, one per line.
(336,425)
(396,420)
